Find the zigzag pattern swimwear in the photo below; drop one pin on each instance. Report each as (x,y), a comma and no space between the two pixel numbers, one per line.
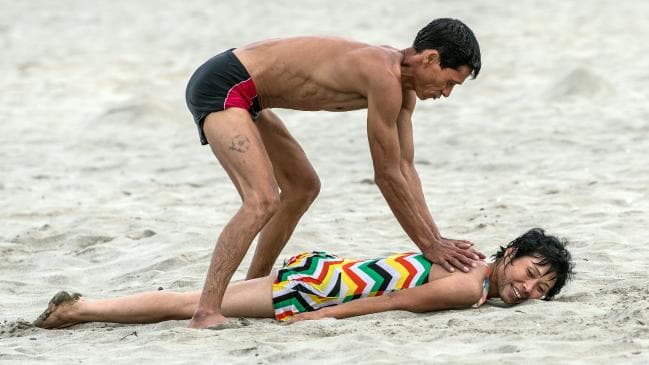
(310,281)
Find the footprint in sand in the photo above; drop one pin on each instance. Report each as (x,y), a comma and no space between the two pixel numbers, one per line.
(87,241)
(89,244)
(140,235)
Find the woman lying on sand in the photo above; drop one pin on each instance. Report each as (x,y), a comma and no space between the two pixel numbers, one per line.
(317,285)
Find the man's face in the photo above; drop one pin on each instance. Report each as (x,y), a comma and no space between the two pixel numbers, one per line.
(433,81)
(524,278)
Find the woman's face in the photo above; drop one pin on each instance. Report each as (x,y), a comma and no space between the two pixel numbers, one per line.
(524,278)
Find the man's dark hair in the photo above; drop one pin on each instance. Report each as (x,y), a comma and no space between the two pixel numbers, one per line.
(455,42)
(549,249)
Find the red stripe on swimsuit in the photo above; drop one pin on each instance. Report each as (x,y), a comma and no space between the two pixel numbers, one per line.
(241,95)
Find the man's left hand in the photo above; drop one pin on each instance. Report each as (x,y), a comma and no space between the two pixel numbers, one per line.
(464,245)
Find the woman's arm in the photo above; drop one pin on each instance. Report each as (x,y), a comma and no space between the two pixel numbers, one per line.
(356,307)
(457,290)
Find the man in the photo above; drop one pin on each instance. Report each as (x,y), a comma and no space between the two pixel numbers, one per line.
(230,97)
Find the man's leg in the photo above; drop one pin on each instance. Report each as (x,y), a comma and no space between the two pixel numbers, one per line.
(236,143)
(299,185)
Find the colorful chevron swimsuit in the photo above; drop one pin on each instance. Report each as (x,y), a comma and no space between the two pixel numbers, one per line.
(310,281)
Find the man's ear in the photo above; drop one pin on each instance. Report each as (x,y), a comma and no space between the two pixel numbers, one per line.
(431,57)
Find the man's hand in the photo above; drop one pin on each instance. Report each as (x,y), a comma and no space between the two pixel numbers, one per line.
(453,254)
(465,245)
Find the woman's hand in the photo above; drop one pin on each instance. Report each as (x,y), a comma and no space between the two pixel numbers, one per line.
(306,316)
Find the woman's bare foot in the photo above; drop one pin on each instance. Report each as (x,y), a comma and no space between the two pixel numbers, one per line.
(57,314)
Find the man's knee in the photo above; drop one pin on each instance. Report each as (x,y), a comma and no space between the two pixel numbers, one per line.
(304,191)
(311,188)
(263,204)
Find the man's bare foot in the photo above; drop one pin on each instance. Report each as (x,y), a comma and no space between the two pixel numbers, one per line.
(204,320)
(57,313)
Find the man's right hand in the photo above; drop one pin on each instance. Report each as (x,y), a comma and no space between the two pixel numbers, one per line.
(453,254)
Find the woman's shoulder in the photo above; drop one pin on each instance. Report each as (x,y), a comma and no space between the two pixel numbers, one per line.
(482,269)
(477,273)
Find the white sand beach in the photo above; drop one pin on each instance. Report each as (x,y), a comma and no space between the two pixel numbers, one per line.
(106,190)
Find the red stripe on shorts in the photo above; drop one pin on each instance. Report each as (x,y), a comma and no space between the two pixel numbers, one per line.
(240,95)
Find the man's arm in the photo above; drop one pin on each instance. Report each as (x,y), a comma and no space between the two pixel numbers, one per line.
(384,106)
(404,125)
(407,148)
(458,290)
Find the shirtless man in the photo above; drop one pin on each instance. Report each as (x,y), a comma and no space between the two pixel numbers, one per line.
(231,96)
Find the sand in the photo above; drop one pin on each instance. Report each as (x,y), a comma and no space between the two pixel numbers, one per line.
(105,190)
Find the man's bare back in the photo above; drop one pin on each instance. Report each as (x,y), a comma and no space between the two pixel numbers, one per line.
(317,73)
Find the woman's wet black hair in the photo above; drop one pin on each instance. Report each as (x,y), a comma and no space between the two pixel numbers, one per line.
(455,42)
(550,249)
